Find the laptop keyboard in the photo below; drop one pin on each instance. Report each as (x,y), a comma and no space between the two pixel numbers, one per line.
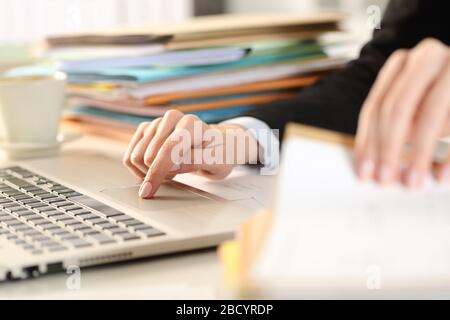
(41,216)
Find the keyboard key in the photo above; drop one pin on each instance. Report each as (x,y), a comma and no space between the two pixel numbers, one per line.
(108,225)
(18,210)
(49,200)
(98,221)
(23,173)
(12,237)
(131,223)
(59,232)
(28,247)
(68,236)
(63,204)
(62,218)
(52,213)
(41,182)
(7,218)
(77,227)
(117,230)
(22,227)
(121,218)
(79,243)
(71,208)
(105,210)
(128,236)
(64,190)
(56,201)
(37,205)
(49,226)
(29,201)
(151,232)
(71,222)
(18,183)
(87,231)
(35,216)
(40,238)
(60,215)
(45,196)
(26,213)
(12,192)
(10,205)
(101,238)
(22,197)
(88,217)
(72,194)
(79,212)
(39,192)
(57,248)
(50,243)
(12,223)
(45,209)
(32,233)
(31,188)
(15,208)
(39,222)
(20,242)
(57,188)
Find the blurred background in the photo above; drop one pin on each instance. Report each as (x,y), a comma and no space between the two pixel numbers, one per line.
(24,21)
(230,70)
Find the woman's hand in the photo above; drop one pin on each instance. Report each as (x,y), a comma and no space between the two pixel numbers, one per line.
(408,104)
(179,143)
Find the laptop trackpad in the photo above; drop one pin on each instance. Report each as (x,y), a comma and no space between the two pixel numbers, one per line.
(169,196)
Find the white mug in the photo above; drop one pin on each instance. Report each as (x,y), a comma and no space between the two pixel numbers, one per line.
(30,109)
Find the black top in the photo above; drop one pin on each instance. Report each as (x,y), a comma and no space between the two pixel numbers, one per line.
(335,102)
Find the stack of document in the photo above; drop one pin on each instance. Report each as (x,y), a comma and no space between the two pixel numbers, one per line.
(215,67)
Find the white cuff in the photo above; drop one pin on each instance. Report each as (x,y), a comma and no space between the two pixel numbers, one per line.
(269,144)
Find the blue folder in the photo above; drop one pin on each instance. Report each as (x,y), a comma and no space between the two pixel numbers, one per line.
(143,75)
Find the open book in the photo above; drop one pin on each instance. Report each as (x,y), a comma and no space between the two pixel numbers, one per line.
(334,236)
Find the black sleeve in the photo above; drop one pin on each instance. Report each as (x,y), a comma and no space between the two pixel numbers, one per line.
(335,102)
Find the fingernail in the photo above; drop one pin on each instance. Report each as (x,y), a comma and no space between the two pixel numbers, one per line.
(386,175)
(175,167)
(414,179)
(444,174)
(365,169)
(146,190)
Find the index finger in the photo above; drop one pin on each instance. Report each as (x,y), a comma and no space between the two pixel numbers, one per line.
(160,168)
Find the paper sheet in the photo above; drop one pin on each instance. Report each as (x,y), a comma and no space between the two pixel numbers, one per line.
(334,232)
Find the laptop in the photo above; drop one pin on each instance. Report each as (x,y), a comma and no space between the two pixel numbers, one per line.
(83,210)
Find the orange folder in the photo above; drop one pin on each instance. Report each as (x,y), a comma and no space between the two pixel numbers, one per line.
(289,83)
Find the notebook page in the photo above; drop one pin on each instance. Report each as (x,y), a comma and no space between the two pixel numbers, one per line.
(334,232)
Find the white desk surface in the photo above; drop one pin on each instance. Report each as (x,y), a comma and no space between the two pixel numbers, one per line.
(193,275)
